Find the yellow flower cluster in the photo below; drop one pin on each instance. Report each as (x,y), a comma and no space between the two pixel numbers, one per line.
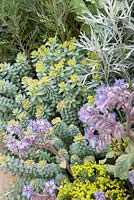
(92,55)
(95,76)
(3,159)
(54,72)
(32,182)
(32,83)
(25,104)
(43,49)
(32,91)
(29,162)
(41,163)
(73,39)
(120,143)
(25,80)
(39,110)
(72,126)
(45,79)
(84,89)
(94,178)
(84,62)
(22,115)
(90,99)
(69,44)
(64,45)
(71,62)
(60,105)
(74,157)
(74,78)
(50,40)
(39,67)
(72,47)
(59,65)
(79,137)
(56,120)
(20,56)
(62,85)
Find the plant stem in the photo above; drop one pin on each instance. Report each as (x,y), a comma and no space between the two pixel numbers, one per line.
(117,148)
(48,146)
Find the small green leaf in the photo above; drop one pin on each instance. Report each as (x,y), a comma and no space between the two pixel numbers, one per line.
(110,154)
(102,161)
(63,164)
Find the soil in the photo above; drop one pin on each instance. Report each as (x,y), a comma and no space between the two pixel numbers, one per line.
(5,178)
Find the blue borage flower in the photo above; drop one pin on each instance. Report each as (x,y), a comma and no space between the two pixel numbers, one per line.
(131,177)
(27,191)
(50,187)
(101,94)
(120,82)
(99,195)
(13,129)
(100,117)
(12,144)
(21,145)
(89,135)
(42,125)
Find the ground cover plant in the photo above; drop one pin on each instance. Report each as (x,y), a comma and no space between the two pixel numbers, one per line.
(68,116)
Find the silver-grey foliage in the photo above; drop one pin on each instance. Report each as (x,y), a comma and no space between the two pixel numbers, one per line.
(111,37)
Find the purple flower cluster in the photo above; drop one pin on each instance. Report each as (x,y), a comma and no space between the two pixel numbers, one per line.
(41,125)
(13,129)
(48,191)
(99,195)
(100,116)
(115,96)
(18,146)
(27,191)
(131,177)
(50,187)
(21,145)
(89,135)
